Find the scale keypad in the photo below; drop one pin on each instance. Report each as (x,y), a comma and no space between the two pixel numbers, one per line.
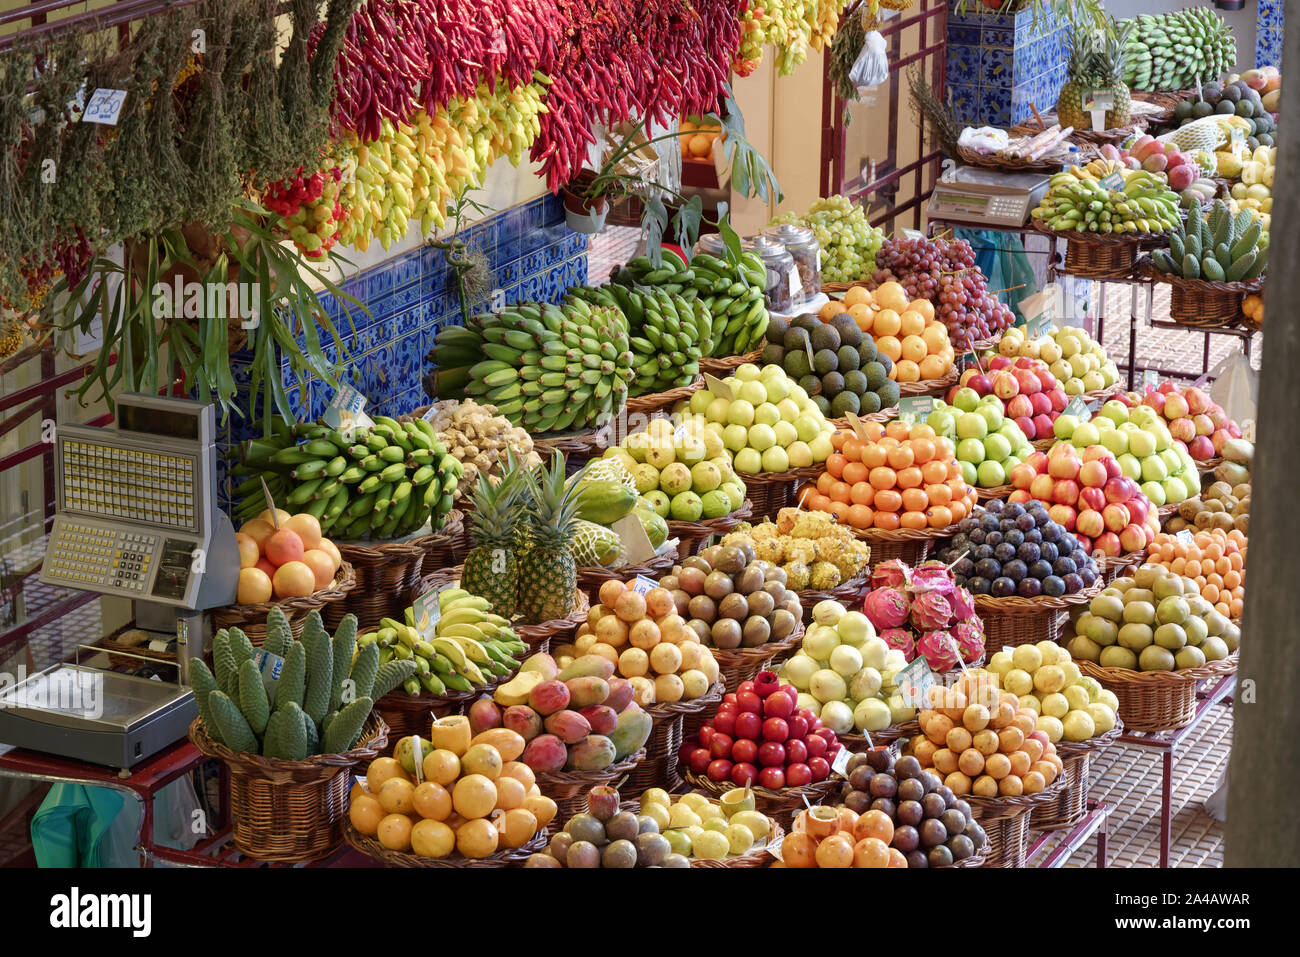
(89,555)
(1006,206)
(151,488)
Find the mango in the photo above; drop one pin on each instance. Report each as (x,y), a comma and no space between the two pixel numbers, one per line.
(516,690)
(621,692)
(548,697)
(569,726)
(522,720)
(588,666)
(602,718)
(587,691)
(510,744)
(405,752)
(542,663)
(632,733)
(545,752)
(595,752)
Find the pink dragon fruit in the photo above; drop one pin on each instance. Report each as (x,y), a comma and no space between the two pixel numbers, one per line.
(938,649)
(901,639)
(970,639)
(963,606)
(886,607)
(933,577)
(891,574)
(931,611)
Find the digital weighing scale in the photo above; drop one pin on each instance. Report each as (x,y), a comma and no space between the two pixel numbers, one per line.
(136,518)
(986,197)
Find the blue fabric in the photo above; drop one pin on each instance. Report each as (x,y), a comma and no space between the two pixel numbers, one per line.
(1001,257)
(69,827)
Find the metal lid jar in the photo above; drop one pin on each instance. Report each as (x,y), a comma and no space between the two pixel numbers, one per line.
(784,290)
(800,243)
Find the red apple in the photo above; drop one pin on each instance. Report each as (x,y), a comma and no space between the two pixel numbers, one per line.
(1005,385)
(719,770)
(749,701)
(1234,430)
(1184,429)
(700,759)
(1090,523)
(744,750)
(1091,497)
(728,699)
(1019,406)
(1201,448)
(775,729)
(1043,426)
(1155,400)
(766,683)
(795,751)
(1025,362)
(1042,404)
(1022,475)
(772,778)
(1063,515)
(1021,496)
(1065,492)
(816,746)
(999,362)
(980,383)
(798,775)
(720,745)
(771,753)
(820,768)
(1116,517)
(1059,399)
(1108,544)
(1203,424)
(748,725)
(705,735)
(779,705)
(1217,438)
(1092,474)
(744,775)
(1196,400)
(1027,381)
(1046,379)
(1175,406)
(1026,425)
(798,726)
(1167,387)
(1119,489)
(1218,416)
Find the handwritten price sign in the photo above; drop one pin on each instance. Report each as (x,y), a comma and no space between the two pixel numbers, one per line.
(105,107)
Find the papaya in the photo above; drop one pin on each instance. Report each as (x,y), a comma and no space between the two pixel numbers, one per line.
(632,733)
(604,502)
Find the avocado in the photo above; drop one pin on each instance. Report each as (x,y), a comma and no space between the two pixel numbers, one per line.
(844,403)
(832,384)
(876,375)
(855,381)
(888,394)
(825,337)
(885,361)
(824,361)
(806,321)
(811,384)
(870,403)
(821,402)
(796,363)
(794,338)
(1226,107)
(850,334)
(1201,110)
(1245,108)
(867,351)
(849,360)
(776,328)
(1183,109)
(773,354)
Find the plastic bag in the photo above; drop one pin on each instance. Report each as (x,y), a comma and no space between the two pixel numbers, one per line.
(871,68)
(1235,387)
(984,139)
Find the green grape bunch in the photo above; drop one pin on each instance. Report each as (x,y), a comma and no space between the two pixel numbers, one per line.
(848,242)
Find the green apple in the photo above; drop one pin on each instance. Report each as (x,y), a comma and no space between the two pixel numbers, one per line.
(1171,460)
(748,461)
(747,372)
(1142,444)
(775,459)
(701,400)
(966,399)
(800,455)
(1163,439)
(1154,469)
(1011,461)
(807,427)
(970,450)
(1064,427)
(972,425)
(741,412)
(752,392)
(1175,489)
(969,472)
(1085,435)
(990,474)
(766,413)
(1116,411)
(786,434)
(942,421)
(798,395)
(996,448)
(762,437)
(1116,440)
(1154,491)
(1143,415)
(992,415)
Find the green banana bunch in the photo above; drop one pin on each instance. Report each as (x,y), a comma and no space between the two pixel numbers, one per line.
(1215,245)
(1076,202)
(380,483)
(545,368)
(470,646)
(731,294)
(1174,51)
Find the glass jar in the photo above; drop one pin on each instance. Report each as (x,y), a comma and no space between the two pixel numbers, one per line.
(711,244)
(800,243)
(784,290)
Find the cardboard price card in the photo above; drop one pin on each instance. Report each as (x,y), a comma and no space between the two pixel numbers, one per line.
(1150,378)
(427,613)
(859,427)
(718,387)
(346,410)
(1113,181)
(1184,536)
(914,683)
(641,584)
(1078,408)
(1042,309)
(914,408)
(105,107)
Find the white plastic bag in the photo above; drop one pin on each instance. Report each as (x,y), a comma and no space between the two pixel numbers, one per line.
(1235,387)
(871,68)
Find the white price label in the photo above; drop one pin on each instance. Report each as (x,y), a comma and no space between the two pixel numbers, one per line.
(1150,378)
(913,408)
(796,286)
(841,763)
(1184,537)
(641,584)
(427,612)
(1102,100)
(914,682)
(105,107)
(1077,407)
(913,234)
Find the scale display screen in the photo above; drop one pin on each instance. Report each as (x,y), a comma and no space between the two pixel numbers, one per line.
(962,201)
(173,422)
(110,481)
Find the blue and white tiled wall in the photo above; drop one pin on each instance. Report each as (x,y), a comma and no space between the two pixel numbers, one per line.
(1268,33)
(1000,63)
(534,256)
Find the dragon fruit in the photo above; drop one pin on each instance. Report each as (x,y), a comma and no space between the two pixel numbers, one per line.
(931,611)
(933,577)
(970,639)
(901,639)
(937,647)
(886,607)
(963,606)
(891,574)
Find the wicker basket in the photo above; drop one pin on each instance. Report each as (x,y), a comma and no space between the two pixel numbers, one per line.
(1016,621)
(576,447)
(388,579)
(935,387)
(723,367)
(895,732)
(911,545)
(659,769)
(782,806)
(290,810)
(741,664)
(389,858)
(1102,255)
(1116,566)
(769,492)
(568,789)
(447,546)
(846,593)
(659,401)
(1051,163)
(996,491)
(591,577)
(1157,700)
(1070,807)
(1005,820)
(1202,303)
(883,416)
(692,536)
(251,619)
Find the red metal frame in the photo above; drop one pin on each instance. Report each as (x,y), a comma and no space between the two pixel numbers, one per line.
(932,15)
(124,13)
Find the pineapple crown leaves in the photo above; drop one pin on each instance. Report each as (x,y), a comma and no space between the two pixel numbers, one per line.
(496,506)
(553,501)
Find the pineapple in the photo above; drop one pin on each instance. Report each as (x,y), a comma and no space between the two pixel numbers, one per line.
(1096,63)
(1110,62)
(1079,82)
(490,567)
(547,571)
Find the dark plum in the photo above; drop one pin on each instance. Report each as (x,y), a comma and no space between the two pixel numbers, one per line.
(1073,583)
(1004,552)
(1040,569)
(1013,537)
(1029,553)
(1012,510)
(989,568)
(993,538)
(1002,587)
(1053,586)
(977,585)
(1048,551)
(1064,566)
(1029,588)
(1026,522)
(1015,570)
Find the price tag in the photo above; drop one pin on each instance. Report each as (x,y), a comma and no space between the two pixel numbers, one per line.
(680,434)
(498,47)
(1184,537)
(1096,104)
(914,683)
(427,613)
(841,763)
(913,234)
(641,584)
(361,782)
(718,387)
(345,411)
(915,407)
(859,427)
(417,754)
(1150,378)
(105,107)
(1237,135)
(1114,181)
(796,286)
(1078,408)
(1041,309)
(775,850)
(636,543)
(269,666)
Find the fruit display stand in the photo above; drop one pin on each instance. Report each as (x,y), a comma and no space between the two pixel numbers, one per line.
(251,618)
(995,491)
(1115,566)
(1069,808)
(908,545)
(659,768)
(769,492)
(1006,821)
(576,447)
(720,367)
(285,810)
(1201,303)
(538,635)
(1157,700)
(1015,620)
(692,536)
(412,714)
(936,387)
(1102,255)
(568,789)
(742,664)
(390,858)
(781,806)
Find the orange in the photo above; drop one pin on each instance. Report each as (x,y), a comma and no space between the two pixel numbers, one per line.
(959,509)
(853,448)
(875,455)
(925,307)
(939,494)
(886,521)
(945,760)
(935,336)
(862,493)
(873,430)
(888,345)
(835,463)
(835,851)
(910,323)
(857,295)
(883,477)
(841,510)
(254,586)
(913,520)
(939,516)
(901,456)
(1011,786)
(322,566)
(905,370)
(915,500)
(922,448)
(934,471)
(909,477)
(914,348)
(897,429)
(824,482)
(934,367)
(855,472)
(840,492)
(820,503)
(863,316)
(888,499)
(829,311)
(886,324)
(838,438)
(958,782)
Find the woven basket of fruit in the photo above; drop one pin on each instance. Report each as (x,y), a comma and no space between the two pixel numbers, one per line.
(659,768)
(388,575)
(884,415)
(1202,303)
(576,447)
(285,810)
(1006,821)
(537,636)
(1101,255)
(658,401)
(885,736)
(448,545)
(388,857)
(769,492)
(1157,700)
(741,664)
(847,592)
(252,618)
(929,386)
(996,491)
(1015,620)
(591,577)
(720,367)
(692,536)
(782,806)
(568,789)
(909,545)
(1069,808)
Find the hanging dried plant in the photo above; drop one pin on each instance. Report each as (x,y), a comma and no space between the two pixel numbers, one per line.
(940,121)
